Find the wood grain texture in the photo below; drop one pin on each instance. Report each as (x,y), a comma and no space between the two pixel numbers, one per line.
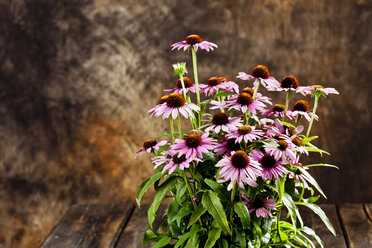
(314,222)
(137,225)
(357,225)
(90,226)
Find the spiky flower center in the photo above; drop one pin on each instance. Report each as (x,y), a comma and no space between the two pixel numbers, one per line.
(178,160)
(187,82)
(213,81)
(278,108)
(224,79)
(289,82)
(244,130)
(301,105)
(240,159)
(297,141)
(244,99)
(232,145)
(298,172)
(149,143)
(258,203)
(220,119)
(282,145)
(261,71)
(268,161)
(248,90)
(193,39)
(279,136)
(318,86)
(175,100)
(163,99)
(193,140)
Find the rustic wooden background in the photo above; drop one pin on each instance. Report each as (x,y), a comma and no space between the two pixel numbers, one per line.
(78,76)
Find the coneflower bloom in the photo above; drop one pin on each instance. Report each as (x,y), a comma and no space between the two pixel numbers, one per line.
(246,133)
(189,86)
(221,121)
(300,145)
(281,150)
(162,101)
(260,206)
(216,84)
(259,96)
(302,107)
(240,168)
(270,166)
(196,41)
(194,144)
(175,105)
(171,161)
(150,145)
(262,73)
(289,83)
(278,110)
(226,146)
(306,90)
(243,102)
(279,128)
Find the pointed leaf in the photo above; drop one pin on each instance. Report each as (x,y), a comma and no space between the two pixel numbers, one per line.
(199,211)
(145,185)
(213,236)
(242,211)
(311,180)
(162,242)
(325,165)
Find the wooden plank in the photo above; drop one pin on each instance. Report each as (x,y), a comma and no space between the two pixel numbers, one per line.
(357,225)
(314,222)
(97,225)
(137,225)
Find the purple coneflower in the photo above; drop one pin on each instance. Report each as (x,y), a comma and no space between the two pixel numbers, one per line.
(221,121)
(300,145)
(302,107)
(226,146)
(246,133)
(282,149)
(150,145)
(289,83)
(306,90)
(262,73)
(174,105)
(261,206)
(162,101)
(189,86)
(259,96)
(172,161)
(216,84)
(243,102)
(194,144)
(196,41)
(270,166)
(278,110)
(240,168)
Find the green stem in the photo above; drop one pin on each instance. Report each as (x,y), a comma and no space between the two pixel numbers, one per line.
(183,87)
(287,103)
(195,67)
(298,120)
(277,224)
(232,206)
(256,90)
(179,126)
(190,193)
(172,128)
(313,115)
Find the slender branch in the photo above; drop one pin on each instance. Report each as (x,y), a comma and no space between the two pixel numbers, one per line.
(172,128)
(195,67)
(179,126)
(313,115)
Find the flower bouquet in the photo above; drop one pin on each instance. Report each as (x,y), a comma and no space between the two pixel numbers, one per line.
(231,175)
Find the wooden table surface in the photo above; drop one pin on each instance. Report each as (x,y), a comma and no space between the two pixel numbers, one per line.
(122,225)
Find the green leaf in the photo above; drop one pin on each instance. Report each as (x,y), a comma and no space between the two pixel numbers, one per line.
(145,185)
(194,237)
(290,186)
(213,235)
(149,236)
(240,236)
(291,206)
(212,203)
(217,187)
(222,243)
(311,180)
(304,240)
(321,214)
(182,240)
(181,193)
(209,156)
(162,242)
(312,148)
(242,211)
(311,232)
(326,165)
(224,93)
(159,196)
(199,211)
(309,139)
(288,124)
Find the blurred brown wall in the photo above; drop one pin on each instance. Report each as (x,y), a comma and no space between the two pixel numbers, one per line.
(77,78)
